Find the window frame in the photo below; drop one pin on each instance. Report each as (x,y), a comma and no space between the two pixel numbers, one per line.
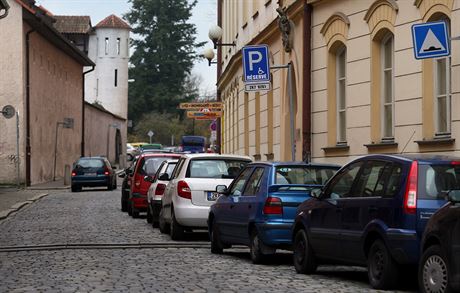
(259,183)
(384,104)
(342,51)
(106,46)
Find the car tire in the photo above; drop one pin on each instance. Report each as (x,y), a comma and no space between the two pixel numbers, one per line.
(382,269)
(216,244)
(149,215)
(75,188)
(303,258)
(124,202)
(175,229)
(255,247)
(110,186)
(130,210)
(433,274)
(162,225)
(134,212)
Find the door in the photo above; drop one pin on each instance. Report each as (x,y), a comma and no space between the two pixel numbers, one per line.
(325,216)
(170,190)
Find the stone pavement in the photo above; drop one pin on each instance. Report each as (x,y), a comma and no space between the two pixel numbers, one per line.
(13,199)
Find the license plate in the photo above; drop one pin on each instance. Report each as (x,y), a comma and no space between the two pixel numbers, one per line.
(90,174)
(212,196)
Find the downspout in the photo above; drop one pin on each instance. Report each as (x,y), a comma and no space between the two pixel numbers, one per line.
(83,111)
(28,146)
(219,72)
(306,105)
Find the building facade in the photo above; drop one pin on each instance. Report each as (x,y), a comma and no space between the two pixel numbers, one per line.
(358,87)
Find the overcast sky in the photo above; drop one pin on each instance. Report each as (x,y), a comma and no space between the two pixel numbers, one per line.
(204,15)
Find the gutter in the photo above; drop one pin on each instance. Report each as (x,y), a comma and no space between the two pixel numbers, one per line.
(83,110)
(219,73)
(306,95)
(28,146)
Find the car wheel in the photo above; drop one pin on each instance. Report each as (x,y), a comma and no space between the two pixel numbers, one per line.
(149,214)
(130,210)
(433,271)
(162,225)
(124,204)
(175,229)
(109,186)
(381,267)
(134,212)
(74,188)
(216,243)
(257,256)
(303,258)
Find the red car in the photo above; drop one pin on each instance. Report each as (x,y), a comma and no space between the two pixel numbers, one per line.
(146,167)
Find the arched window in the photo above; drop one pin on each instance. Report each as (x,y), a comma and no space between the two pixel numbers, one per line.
(387,90)
(341,62)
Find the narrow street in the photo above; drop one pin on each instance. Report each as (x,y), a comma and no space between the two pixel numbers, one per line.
(52,246)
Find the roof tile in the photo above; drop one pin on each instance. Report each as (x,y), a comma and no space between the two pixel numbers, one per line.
(113,21)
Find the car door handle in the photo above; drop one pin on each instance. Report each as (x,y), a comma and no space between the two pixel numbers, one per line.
(372,209)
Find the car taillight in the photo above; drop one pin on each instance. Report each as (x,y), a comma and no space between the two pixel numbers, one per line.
(106,171)
(160,189)
(273,206)
(183,190)
(74,173)
(410,197)
(455,163)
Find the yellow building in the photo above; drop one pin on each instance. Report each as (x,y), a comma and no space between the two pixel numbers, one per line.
(358,87)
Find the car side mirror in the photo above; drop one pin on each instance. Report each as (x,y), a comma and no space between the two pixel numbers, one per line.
(454,196)
(149,179)
(222,189)
(316,192)
(164,177)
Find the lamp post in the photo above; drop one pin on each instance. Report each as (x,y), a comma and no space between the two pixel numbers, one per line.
(215,34)
(208,53)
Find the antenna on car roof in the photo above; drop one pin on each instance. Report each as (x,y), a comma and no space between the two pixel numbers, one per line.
(407,142)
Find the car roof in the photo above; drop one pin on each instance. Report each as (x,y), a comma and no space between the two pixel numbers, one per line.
(150,155)
(296,163)
(422,158)
(93,158)
(217,156)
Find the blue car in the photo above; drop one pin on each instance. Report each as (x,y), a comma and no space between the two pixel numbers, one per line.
(373,213)
(93,172)
(259,207)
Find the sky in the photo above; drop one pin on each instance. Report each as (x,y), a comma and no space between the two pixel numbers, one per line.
(203,16)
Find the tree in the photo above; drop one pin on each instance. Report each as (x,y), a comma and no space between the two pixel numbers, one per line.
(163,57)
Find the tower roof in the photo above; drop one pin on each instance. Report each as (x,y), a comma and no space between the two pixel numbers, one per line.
(113,21)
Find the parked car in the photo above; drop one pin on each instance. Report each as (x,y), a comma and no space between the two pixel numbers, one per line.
(131,152)
(191,190)
(126,184)
(157,189)
(373,213)
(439,269)
(93,172)
(192,144)
(147,165)
(259,207)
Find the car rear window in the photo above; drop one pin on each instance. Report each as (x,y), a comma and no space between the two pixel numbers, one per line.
(215,168)
(303,175)
(436,179)
(149,166)
(90,163)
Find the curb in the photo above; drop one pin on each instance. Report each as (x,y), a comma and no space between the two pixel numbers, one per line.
(20,205)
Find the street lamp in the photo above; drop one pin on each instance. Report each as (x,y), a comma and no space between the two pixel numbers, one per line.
(208,53)
(4,6)
(215,34)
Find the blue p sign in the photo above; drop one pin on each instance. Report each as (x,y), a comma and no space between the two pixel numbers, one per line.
(256,65)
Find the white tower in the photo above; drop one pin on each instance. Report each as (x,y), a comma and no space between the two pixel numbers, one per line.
(109,49)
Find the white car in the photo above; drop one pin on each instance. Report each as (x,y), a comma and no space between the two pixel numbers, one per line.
(157,189)
(192,190)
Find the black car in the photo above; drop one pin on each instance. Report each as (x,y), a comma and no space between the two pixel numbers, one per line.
(125,185)
(93,172)
(439,269)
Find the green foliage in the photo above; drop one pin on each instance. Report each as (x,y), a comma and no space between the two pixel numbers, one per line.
(163,57)
(164,125)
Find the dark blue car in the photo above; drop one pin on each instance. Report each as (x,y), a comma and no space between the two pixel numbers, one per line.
(373,213)
(259,207)
(93,172)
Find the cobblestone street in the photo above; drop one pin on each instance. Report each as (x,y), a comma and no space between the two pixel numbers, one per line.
(94,217)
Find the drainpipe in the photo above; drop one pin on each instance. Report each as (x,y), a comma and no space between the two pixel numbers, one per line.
(306,105)
(28,147)
(219,72)
(83,111)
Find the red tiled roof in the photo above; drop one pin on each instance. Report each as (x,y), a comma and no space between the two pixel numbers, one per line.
(70,24)
(113,21)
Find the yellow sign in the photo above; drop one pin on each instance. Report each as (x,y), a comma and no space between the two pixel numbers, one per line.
(197,106)
(198,114)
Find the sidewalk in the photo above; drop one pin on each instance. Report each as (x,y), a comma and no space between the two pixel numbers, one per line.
(13,199)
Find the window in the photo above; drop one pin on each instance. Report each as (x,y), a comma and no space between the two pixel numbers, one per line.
(437,179)
(343,182)
(97,47)
(214,168)
(116,77)
(442,95)
(97,87)
(118,46)
(387,87)
(254,182)
(341,95)
(237,187)
(106,46)
(177,169)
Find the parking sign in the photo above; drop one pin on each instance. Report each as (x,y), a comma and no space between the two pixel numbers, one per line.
(256,66)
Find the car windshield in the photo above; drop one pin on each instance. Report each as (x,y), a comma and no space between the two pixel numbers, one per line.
(303,175)
(215,168)
(90,163)
(150,165)
(436,180)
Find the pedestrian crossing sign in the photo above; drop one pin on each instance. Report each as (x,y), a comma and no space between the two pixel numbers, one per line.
(431,40)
